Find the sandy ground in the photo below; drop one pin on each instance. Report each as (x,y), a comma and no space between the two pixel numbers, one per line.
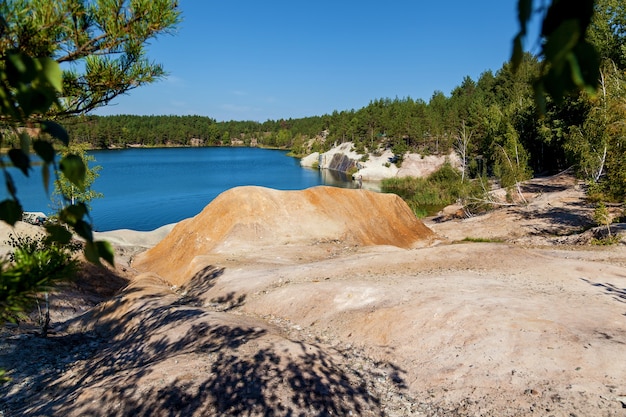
(531,321)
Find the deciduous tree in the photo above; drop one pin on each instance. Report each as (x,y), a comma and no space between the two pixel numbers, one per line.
(65,192)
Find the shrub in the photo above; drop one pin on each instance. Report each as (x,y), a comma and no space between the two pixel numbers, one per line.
(606,241)
(33,267)
(602,216)
(441,188)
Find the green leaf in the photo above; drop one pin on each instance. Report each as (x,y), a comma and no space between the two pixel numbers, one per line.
(10,211)
(73,214)
(44,149)
(51,72)
(560,42)
(55,130)
(524,10)
(45,176)
(20,68)
(35,100)
(91,253)
(10,184)
(518,52)
(589,65)
(20,160)
(58,233)
(6,105)
(74,169)
(105,251)
(83,229)
(576,73)
(557,82)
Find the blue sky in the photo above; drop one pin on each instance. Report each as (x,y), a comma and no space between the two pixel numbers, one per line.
(260,60)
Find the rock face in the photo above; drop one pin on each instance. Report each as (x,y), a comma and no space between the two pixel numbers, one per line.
(377,167)
(257,216)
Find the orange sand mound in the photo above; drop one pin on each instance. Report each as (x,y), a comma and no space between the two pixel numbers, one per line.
(260,217)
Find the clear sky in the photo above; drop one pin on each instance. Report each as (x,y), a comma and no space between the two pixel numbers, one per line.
(260,60)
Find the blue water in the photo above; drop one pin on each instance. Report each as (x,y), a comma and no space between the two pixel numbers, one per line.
(147,188)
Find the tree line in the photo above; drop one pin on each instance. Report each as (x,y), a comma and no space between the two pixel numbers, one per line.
(127,130)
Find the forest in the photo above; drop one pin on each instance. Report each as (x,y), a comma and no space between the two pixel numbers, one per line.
(495,122)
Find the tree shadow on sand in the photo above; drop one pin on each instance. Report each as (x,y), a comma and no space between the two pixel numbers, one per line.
(561,221)
(618,294)
(236,366)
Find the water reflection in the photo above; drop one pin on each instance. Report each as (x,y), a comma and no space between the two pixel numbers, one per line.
(337,179)
(343,180)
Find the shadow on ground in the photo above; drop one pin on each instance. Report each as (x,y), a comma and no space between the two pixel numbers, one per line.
(561,221)
(618,294)
(133,365)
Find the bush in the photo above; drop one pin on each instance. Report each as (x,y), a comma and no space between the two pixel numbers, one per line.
(606,241)
(431,194)
(33,267)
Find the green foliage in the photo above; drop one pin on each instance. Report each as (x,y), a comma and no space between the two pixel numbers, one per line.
(606,241)
(598,143)
(594,192)
(105,40)
(65,191)
(602,217)
(607,31)
(35,36)
(34,266)
(570,62)
(41,82)
(511,163)
(441,188)
(399,149)
(28,85)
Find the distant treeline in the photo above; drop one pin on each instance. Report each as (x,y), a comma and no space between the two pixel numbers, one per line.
(158,131)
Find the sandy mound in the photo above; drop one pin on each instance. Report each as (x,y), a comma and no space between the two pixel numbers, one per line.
(246,217)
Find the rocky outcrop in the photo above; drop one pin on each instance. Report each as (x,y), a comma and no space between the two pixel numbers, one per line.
(341,158)
(376,167)
(257,217)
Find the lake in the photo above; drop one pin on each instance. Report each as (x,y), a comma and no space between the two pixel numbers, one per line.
(147,188)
